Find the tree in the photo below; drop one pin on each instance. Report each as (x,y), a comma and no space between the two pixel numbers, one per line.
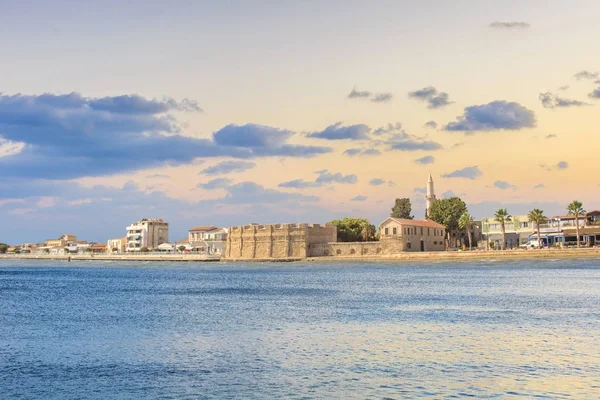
(145,249)
(354,230)
(576,209)
(502,216)
(402,209)
(447,212)
(181,248)
(466,222)
(47,251)
(3,248)
(115,250)
(537,217)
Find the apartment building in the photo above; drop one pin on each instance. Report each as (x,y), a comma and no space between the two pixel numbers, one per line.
(116,246)
(147,233)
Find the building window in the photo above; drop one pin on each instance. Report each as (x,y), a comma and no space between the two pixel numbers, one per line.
(338,252)
(394,231)
(408,245)
(387,231)
(352,251)
(421,230)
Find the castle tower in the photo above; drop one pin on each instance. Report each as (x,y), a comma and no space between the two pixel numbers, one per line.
(430,198)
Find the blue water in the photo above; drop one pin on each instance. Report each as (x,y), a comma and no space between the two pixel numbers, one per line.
(300,331)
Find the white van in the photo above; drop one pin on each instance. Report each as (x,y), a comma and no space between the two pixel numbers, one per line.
(532,244)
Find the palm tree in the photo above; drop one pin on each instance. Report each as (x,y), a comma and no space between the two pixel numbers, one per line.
(537,217)
(502,216)
(466,222)
(576,209)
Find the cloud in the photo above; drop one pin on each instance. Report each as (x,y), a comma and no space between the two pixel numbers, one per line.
(362,152)
(227,167)
(564,88)
(10,148)
(459,144)
(425,160)
(432,96)
(79,202)
(359,198)
(509,25)
(324,178)
(377,97)
(158,176)
(382,98)
(414,145)
(503,185)
(299,184)
(586,75)
(339,132)
(550,136)
(448,194)
(595,94)
(377,181)
(468,172)
(354,94)
(217,183)
(561,165)
(539,186)
(327,177)
(497,115)
(550,100)
(420,190)
(389,129)
(71,136)
(431,124)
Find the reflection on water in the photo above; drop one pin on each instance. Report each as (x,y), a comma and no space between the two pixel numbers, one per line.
(177,331)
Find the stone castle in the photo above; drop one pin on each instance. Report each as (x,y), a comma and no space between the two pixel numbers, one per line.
(279,241)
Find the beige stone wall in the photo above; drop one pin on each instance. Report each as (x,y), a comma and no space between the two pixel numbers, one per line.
(408,237)
(278,241)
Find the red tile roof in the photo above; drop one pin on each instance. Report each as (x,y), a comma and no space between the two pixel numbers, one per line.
(203,228)
(186,240)
(427,223)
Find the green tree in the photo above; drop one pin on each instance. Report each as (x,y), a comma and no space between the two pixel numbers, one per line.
(402,209)
(47,251)
(537,217)
(466,222)
(354,230)
(3,248)
(502,216)
(447,212)
(181,248)
(576,209)
(145,249)
(115,250)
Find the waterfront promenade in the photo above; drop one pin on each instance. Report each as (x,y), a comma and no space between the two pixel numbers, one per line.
(405,256)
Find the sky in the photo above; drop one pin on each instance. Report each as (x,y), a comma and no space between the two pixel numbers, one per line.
(231,112)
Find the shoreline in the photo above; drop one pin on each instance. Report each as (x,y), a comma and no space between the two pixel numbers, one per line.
(400,257)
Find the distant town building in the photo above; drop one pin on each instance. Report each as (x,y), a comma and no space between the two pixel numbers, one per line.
(149,233)
(412,234)
(208,239)
(61,241)
(116,246)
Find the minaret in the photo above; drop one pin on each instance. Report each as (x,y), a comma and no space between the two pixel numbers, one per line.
(430,194)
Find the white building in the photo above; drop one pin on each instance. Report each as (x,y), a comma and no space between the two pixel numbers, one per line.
(149,233)
(208,239)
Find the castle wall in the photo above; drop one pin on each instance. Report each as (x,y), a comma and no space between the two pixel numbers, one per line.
(279,241)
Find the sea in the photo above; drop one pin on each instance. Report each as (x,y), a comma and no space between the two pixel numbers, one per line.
(356,330)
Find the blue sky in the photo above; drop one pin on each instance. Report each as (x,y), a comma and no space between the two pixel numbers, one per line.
(256,111)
